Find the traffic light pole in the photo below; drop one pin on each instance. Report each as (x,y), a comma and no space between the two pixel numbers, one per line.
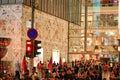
(31,64)
(33,9)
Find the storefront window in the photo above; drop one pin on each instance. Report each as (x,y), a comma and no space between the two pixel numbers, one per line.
(104,3)
(108,20)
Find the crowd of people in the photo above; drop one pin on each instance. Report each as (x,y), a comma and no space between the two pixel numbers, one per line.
(76,70)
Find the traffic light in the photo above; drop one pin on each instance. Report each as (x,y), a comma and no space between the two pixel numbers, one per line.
(37,47)
(29,48)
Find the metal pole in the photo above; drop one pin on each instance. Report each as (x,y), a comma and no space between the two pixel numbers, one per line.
(68,41)
(33,9)
(68,27)
(85,29)
(80,11)
(32,26)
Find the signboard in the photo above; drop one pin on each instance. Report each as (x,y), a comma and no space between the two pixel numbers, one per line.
(55,56)
(32,33)
(38,58)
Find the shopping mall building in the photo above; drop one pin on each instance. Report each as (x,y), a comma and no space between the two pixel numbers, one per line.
(70,29)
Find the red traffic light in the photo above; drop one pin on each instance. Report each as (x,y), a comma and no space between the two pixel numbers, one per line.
(29,48)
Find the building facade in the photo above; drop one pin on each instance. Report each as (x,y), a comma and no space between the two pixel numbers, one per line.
(61,29)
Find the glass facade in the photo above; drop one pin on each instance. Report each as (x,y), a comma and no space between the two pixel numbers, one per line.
(100,21)
(104,3)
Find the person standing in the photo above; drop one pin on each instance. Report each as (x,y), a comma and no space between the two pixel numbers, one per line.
(106,71)
(27,76)
(17,75)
